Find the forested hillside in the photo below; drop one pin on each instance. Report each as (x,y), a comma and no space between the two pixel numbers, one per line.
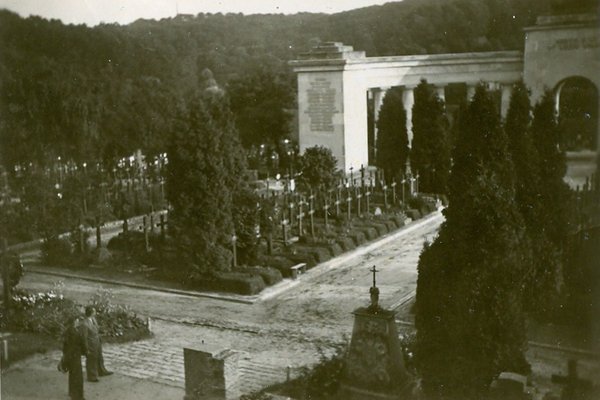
(100,93)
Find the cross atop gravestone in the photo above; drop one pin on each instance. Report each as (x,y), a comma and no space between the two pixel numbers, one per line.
(374,292)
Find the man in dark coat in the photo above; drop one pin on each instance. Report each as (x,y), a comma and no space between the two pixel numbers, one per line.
(94,362)
(74,347)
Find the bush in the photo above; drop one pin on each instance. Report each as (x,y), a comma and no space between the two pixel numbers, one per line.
(116,322)
(56,251)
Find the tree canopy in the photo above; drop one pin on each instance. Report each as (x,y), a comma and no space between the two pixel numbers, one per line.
(469,287)
(430,150)
(204,176)
(392,138)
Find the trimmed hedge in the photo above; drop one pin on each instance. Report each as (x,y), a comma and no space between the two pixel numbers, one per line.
(280,263)
(413,214)
(335,249)
(369,231)
(269,275)
(358,237)
(346,243)
(237,282)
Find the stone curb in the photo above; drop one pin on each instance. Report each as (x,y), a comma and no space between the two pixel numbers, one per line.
(40,271)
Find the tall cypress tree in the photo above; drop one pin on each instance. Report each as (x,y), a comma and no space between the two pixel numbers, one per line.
(469,321)
(392,138)
(553,192)
(544,263)
(430,152)
(206,163)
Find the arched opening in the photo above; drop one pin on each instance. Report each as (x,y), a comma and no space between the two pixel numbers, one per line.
(577,106)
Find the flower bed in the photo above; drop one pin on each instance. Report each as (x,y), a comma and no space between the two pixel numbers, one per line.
(47,312)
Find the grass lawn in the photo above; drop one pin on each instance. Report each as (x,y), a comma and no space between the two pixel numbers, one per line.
(23,344)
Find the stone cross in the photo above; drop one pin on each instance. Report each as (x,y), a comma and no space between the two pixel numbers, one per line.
(374,270)
(374,292)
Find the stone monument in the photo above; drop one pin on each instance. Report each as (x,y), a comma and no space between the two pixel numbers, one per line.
(374,362)
(211,373)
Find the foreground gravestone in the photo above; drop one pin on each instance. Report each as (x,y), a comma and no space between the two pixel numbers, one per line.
(211,373)
(374,362)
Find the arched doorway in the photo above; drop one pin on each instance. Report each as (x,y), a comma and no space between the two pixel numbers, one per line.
(577,106)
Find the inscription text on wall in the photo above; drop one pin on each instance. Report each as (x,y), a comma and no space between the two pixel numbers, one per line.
(321,105)
(591,42)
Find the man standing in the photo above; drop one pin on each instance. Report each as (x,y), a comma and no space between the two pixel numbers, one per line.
(94,363)
(74,346)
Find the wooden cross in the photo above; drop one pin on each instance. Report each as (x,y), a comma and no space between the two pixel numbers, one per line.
(284,224)
(326,210)
(291,207)
(368,195)
(349,201)
(385,189)
(358,197)
(234,239)
(311,213)
(394,191)
(300,216)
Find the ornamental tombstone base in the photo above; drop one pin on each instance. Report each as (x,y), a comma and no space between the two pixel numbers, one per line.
(375,363)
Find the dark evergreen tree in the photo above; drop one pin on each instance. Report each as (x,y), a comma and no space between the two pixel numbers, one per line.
(392,138)
(544,264)
(553,192)
(318,169)
(469,320)
(430,151)
(205,170)
(549,217)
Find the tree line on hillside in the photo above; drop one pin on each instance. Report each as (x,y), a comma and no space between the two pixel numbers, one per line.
(101,93)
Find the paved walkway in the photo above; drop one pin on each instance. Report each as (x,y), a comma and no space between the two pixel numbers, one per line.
(37,378)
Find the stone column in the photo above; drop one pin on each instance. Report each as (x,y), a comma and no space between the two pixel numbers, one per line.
(505,99)
(408,99)
(440,90)
(470,91)
(378,96)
